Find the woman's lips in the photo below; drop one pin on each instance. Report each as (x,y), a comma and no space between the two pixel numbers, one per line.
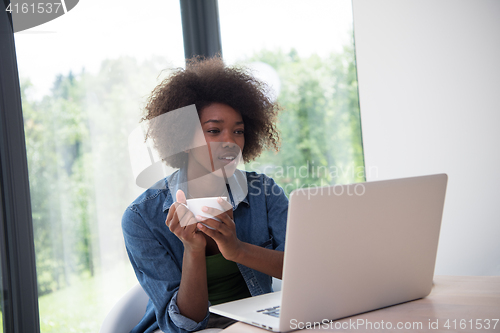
(228,159)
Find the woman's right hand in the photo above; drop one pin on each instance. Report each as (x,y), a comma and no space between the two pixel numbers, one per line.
(178,215)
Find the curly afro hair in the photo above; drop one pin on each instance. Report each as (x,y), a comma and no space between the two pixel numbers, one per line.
(203,82)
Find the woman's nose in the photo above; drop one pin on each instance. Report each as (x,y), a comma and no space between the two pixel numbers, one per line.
(228,144)
(228,141)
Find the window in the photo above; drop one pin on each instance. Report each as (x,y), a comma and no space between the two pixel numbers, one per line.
(306,53)
(83,85)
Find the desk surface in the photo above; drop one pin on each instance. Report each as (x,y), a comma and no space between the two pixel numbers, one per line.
(455,304)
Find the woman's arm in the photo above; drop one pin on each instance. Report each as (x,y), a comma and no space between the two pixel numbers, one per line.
(192,297)
(267,261)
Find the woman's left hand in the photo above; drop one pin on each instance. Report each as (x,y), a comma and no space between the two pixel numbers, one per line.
(224,232)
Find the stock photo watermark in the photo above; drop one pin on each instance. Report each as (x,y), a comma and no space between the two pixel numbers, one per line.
(312,190)
(28,14)
(175,134)
(429,325)
(311,180)
(309,170)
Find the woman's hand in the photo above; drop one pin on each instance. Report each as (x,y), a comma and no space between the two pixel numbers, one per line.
(224,233)
(178,215)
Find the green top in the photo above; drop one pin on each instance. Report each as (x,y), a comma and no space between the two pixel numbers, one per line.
(225,282)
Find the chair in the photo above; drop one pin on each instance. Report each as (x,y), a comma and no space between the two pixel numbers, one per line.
(128,311)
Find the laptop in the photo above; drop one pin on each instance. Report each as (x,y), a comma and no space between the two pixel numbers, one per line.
(351,249)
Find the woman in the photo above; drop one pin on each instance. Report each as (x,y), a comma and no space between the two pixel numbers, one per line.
(184,265)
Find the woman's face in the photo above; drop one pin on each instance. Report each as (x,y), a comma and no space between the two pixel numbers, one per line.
(223,132)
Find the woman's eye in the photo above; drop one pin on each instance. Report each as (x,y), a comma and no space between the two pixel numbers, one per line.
(213,131)
(239,131)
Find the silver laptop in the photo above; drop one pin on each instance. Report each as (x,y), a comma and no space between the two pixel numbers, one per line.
(351,249)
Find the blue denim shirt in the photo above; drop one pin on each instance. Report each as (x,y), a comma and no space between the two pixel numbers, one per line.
(156,253)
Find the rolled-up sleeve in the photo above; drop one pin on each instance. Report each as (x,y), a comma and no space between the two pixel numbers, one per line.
(158,272)
(179,320)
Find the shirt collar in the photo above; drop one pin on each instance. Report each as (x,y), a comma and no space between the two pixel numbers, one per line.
(238,187)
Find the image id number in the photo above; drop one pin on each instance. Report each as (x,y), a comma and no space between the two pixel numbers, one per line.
(40,8)
(471,324)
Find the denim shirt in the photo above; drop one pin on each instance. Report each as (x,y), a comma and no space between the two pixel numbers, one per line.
(156,253)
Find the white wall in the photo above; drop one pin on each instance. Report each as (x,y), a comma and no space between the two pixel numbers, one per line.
(429,83)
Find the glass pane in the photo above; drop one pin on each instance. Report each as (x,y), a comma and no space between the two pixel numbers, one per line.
(305,51)
(85,77)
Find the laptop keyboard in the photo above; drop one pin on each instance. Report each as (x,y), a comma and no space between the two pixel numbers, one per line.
(274,311)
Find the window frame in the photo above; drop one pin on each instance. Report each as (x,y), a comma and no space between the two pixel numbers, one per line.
(201,34)
(200,28)
(19,284)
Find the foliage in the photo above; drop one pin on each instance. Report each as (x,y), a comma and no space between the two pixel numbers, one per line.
(80,179)
(82,307)
(56,135)
(320,125)
(79,168)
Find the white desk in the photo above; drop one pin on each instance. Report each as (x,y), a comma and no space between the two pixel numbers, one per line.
(462,302)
